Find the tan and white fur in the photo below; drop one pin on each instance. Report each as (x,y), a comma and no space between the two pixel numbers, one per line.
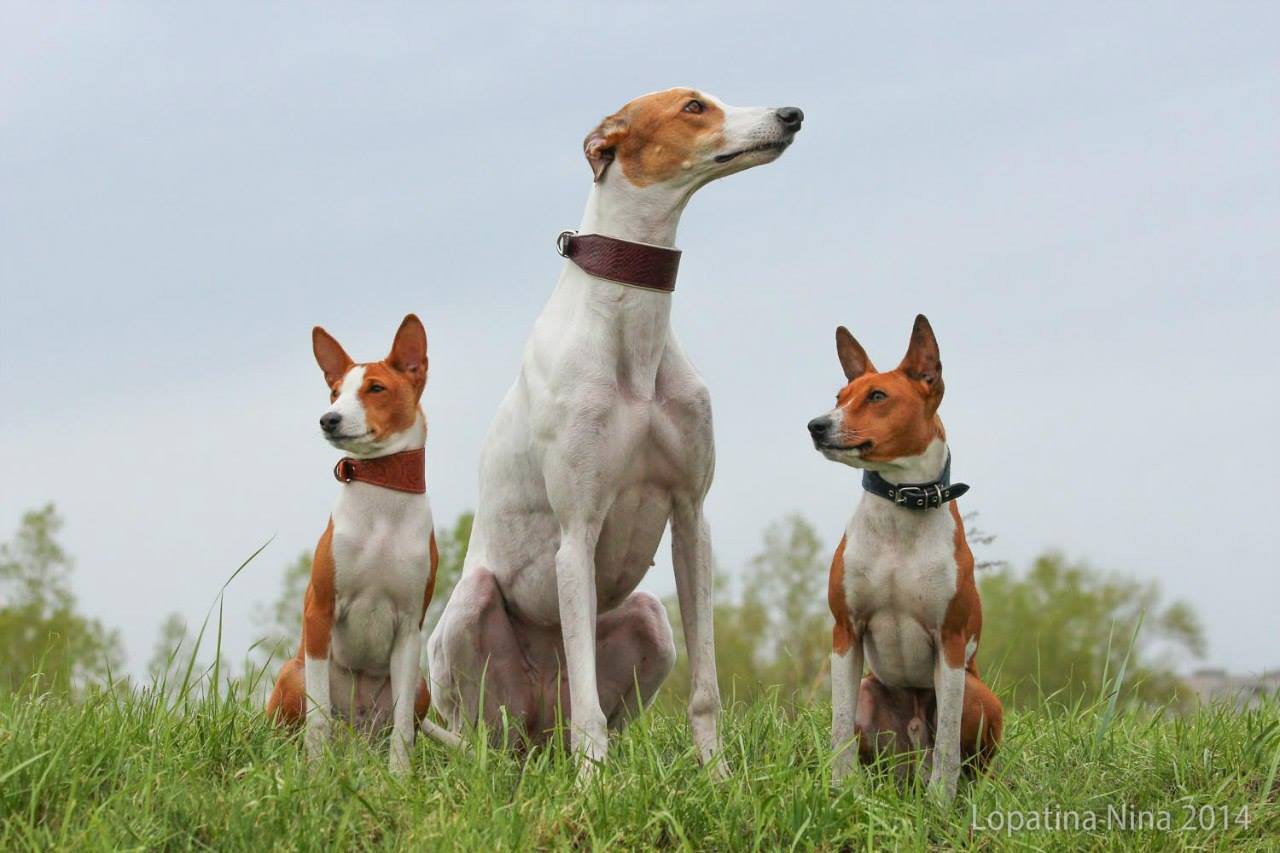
(374,567)
(902,590)
(604,438)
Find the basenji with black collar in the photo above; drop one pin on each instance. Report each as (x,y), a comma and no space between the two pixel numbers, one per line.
(375,564)
(901,589)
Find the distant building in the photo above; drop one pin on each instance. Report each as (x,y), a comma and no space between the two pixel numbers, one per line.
(1218,685)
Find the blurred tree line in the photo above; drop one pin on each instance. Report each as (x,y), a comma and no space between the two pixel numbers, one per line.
(43,638)
(1052,632)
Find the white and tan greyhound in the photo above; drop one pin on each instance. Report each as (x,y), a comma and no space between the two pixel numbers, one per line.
(604,438)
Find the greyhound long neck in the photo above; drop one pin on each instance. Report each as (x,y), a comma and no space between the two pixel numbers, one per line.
(616,208)
(638,320)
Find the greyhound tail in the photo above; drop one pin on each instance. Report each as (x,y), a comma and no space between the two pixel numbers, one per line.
(443,736)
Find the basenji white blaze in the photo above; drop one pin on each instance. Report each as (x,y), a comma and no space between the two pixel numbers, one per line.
(902,590)
(375,565)
(604,438)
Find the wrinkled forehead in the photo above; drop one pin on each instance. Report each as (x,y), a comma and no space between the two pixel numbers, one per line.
(891,382)
(372,371)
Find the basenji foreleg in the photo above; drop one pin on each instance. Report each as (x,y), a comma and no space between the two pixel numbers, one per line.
(319,708)
(405,654)
(846,681)
(948,685)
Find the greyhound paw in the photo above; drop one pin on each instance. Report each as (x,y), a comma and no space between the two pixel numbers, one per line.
(842,770)
(400,760)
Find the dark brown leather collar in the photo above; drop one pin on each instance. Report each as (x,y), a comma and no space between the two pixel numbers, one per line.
(621,261)
(403,472)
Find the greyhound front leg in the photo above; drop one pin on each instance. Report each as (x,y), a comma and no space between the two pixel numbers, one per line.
(576,587)
(846,681)
(948,685)
(316,681)
(691,556)
(405,655)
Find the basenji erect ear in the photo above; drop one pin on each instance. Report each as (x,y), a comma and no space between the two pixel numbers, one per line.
(409,350)
(600,144)
(922,361)
(330,355)
(853,358)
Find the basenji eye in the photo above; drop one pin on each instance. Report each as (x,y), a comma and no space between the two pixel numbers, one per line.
(375,388)
(877,396)
(333,394)
(694,106)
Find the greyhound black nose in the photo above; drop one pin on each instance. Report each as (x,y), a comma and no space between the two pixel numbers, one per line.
(791,117)
(329,421)
(818,427)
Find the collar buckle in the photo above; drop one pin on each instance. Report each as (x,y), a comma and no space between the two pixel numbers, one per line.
(911,496)
(345,470)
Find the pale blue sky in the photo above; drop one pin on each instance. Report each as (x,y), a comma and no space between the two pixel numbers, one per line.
(1084,199)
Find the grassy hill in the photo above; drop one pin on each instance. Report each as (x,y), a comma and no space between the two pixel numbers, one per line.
(125,770)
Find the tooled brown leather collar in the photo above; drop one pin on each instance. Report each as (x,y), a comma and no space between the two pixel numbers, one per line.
(621,261)
(404,472)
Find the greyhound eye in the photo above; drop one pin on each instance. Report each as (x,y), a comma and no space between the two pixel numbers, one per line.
(375,388)
(694,106)
(876,396)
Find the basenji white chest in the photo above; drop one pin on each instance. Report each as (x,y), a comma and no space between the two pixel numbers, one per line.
(900,577)
(382,560)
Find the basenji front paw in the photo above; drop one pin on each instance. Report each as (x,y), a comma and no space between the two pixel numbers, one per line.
(317,736)
(942,790)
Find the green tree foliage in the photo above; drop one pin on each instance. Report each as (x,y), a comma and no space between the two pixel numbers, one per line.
(777,634)
(280,623)
(169,655)
(452,543)
(41,633)
(1056,630)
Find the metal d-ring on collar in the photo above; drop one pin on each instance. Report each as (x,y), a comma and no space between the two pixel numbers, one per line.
(915,496)
(562,243)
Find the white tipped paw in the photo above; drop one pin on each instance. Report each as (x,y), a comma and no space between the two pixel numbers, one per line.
(316,737)
(400,757)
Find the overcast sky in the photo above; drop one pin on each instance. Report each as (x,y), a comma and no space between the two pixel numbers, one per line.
(1085,201)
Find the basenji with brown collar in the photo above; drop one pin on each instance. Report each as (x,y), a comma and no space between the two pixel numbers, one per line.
(375,564)
(901,589)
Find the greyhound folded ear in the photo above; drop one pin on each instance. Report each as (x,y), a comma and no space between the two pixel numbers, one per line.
(922,362)
(601,144)
(409,351)
(330,355)
(853,358)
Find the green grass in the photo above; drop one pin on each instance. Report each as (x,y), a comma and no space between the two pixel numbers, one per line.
(124,770)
